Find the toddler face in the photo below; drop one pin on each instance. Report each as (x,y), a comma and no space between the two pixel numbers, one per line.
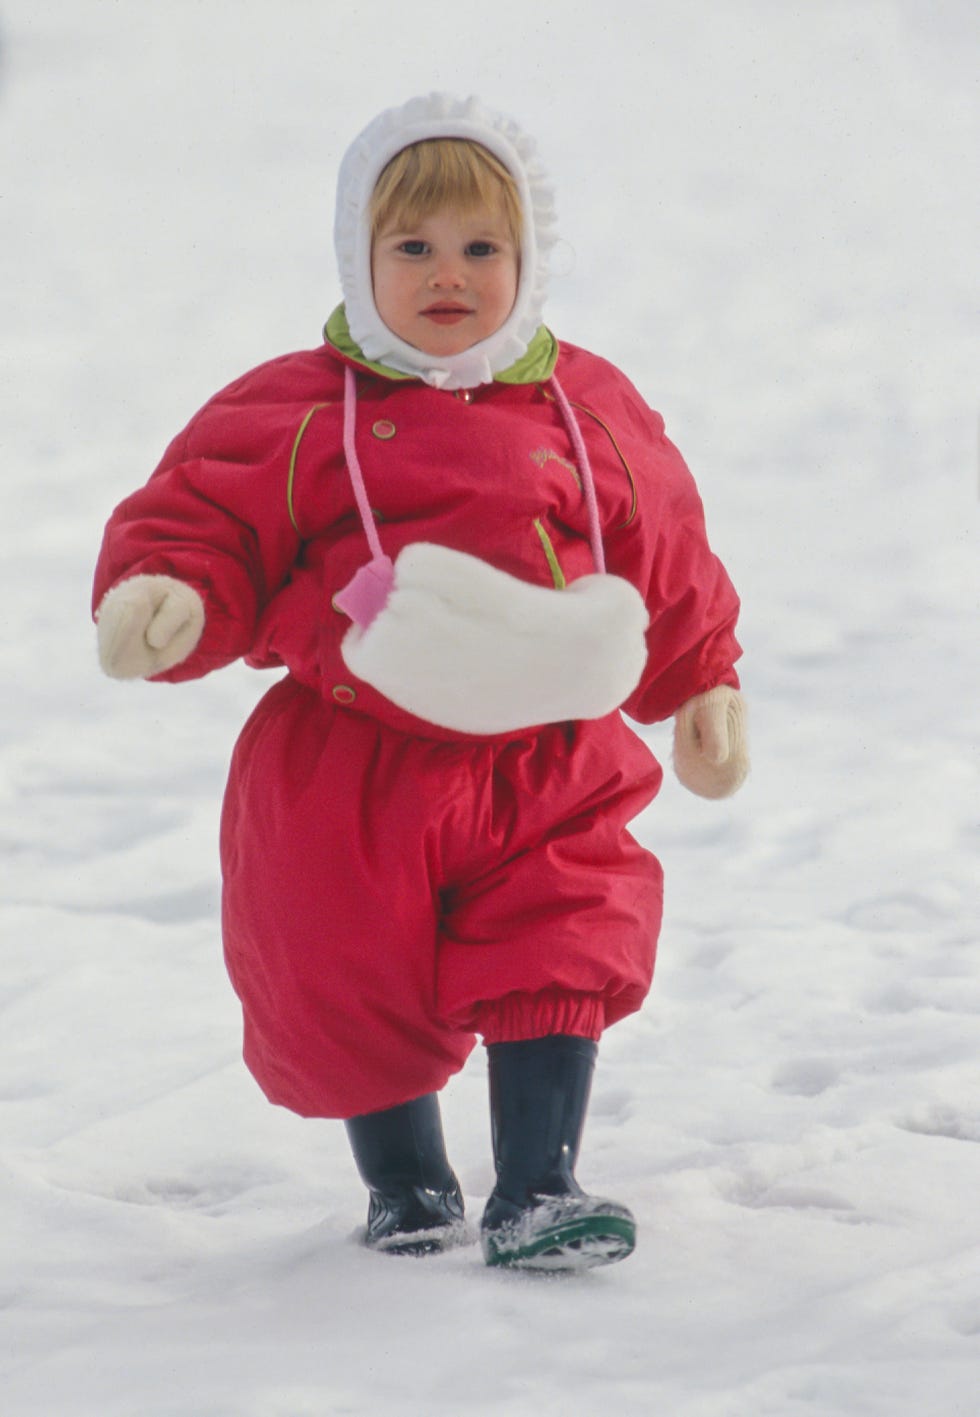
(449,281)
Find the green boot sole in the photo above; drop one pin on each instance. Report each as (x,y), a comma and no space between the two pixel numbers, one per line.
(562,1235)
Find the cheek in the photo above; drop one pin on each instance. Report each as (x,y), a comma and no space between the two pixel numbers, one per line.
(378,276)
(385,289)
(508,292)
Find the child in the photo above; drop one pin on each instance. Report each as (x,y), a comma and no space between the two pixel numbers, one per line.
(470,546)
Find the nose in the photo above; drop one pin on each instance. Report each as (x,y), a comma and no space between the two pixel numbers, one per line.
(447,275)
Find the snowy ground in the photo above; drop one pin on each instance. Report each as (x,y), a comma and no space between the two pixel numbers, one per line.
(771,213)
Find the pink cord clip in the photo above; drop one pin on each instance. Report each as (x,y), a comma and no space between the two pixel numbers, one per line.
(366,594)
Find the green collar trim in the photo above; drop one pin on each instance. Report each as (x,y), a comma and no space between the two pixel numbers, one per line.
(535,364)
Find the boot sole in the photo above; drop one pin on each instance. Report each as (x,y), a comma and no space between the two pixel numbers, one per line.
(583,1242)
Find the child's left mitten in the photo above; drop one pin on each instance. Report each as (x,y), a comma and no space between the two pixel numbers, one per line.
(711,754)
(146,625)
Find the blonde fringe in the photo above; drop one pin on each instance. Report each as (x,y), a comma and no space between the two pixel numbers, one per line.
(440,172)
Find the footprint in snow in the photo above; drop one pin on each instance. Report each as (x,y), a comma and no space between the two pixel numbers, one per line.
(613,1104)
(965,1319)
(940,1120)
(806,1077)
(907,910)
(754,1193)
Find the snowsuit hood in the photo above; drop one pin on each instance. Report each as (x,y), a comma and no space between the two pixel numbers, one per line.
(441,116)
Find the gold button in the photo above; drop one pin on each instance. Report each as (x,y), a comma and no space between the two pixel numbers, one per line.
(465,395)
(344,694)
(384,429)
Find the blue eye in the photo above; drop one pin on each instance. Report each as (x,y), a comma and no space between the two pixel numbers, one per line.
(413,248)
(480,248)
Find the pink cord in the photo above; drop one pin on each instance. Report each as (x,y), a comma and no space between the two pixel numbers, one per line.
(585,469)
(354,466)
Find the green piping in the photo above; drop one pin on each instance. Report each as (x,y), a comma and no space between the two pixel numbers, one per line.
(557,574)
(292,465)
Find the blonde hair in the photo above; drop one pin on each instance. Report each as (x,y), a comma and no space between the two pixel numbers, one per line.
(443,172)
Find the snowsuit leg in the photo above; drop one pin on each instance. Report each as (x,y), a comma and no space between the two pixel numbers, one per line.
(552,911)
(329,919)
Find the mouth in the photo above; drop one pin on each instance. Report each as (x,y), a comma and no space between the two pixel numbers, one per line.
(446,312)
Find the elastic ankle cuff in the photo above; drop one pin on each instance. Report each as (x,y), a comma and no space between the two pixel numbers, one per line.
(517,1017)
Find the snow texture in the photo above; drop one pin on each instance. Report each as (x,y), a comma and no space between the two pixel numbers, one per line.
(770,221)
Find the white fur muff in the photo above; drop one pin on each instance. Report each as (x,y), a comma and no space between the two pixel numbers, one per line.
(473,649)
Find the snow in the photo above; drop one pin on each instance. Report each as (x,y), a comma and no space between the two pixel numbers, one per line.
(770,216)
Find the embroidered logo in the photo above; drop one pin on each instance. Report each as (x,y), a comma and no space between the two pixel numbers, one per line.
(540,456)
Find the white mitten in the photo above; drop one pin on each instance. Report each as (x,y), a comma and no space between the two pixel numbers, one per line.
(711,755)
(147,625)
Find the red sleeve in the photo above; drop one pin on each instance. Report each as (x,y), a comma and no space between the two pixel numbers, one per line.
(215,513)
(664,551)
(693,607)
(660,545)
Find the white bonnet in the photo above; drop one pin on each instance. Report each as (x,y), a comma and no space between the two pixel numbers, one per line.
(441,116)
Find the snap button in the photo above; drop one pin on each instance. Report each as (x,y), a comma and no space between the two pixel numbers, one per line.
(344,694)
(384,429)
(465,395)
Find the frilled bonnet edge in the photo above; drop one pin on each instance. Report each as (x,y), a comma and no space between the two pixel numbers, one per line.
(442,116)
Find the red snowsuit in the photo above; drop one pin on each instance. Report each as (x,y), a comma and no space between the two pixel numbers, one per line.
(391,887)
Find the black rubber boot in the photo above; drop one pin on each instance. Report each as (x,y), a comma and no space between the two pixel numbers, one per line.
(416,1206)
(538,1216)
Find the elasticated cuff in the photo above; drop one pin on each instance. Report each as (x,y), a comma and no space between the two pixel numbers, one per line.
(517,1017)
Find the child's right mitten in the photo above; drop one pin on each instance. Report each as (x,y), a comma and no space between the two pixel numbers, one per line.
(711,755)
(146,625)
